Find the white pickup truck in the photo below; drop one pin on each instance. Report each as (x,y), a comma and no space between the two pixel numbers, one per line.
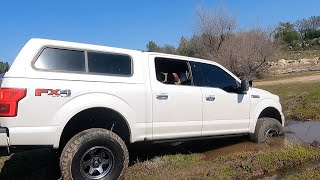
(91,101)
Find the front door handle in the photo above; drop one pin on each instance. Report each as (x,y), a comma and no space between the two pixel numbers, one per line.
(210,98)
(162,96)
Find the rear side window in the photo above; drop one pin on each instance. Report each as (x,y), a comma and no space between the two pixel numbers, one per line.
(61,59)
(109,63)
(173,71)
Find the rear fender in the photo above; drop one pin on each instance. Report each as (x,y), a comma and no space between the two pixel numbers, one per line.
(92,100)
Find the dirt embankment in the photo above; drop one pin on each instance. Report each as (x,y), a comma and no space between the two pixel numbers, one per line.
(302,79)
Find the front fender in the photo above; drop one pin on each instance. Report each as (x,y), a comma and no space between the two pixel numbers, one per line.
(261,105)
(92,100)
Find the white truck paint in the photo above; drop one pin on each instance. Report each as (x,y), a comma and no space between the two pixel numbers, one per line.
(184,114)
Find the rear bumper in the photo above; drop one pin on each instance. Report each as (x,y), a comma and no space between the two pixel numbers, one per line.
(6,148)
(4,138)
(4,141)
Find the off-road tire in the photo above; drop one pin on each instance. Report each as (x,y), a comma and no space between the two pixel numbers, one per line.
(263,126)
(77,146)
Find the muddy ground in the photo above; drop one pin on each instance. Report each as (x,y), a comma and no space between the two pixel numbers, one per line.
(43,164)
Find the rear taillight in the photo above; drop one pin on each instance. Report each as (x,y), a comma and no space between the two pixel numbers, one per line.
(9,99)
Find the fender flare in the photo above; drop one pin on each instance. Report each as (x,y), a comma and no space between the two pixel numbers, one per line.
(262,105)
(93,100)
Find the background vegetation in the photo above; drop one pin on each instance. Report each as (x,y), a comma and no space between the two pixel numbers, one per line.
(245,52)
(3,67)
(300,35)
(220,39)
(300,101)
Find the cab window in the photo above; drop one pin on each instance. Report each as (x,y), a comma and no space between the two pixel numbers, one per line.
(213,76)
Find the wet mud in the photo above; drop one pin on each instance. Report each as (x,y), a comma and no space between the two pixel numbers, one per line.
(43,164)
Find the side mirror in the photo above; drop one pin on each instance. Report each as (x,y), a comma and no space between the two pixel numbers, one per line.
(245,84)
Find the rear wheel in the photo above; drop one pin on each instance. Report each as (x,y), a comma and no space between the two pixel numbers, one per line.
(94,154)
(265,129)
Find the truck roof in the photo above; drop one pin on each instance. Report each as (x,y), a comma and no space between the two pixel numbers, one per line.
(75,45)
(22,62)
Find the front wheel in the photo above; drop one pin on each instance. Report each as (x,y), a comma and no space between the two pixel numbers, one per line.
(265,129)
(94,154)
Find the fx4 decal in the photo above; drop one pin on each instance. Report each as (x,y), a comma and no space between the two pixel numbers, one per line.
(53,92)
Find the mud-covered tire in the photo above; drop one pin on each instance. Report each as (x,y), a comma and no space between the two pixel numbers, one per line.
(265,128)
(93,144)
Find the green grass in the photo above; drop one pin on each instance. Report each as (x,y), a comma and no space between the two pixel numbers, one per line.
(294,55)
(160,167)
(3,160)
(242,165)
(311,173)
(299,100)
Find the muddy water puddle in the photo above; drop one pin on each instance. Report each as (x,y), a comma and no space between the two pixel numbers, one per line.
(296,132)
(246,146)
(303,131)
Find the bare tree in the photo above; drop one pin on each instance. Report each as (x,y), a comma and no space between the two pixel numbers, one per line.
(305,26)
(302,26)
(244,52)
(192,47)
(314,22)
(169,49)
(215,27)
(247,52)
(153,47)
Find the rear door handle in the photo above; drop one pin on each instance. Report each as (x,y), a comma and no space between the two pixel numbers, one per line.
(210,98)
(162,96)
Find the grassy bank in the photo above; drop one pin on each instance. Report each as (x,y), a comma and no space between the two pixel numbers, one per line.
(242,165)
(292,55)
(3,160)
(311,173)
(299,100)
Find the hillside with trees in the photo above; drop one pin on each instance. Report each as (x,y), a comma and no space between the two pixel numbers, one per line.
(301,35)
(4,66)
(245,52)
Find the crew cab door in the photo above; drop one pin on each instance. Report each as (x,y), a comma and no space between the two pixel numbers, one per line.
(177,104)
(224,110)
